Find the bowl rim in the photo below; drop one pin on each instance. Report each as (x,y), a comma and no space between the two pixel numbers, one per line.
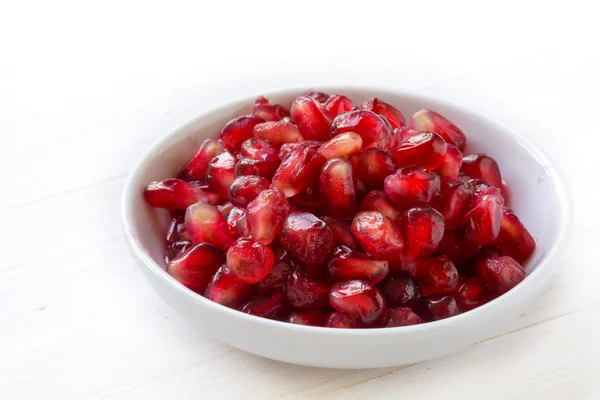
(563,230)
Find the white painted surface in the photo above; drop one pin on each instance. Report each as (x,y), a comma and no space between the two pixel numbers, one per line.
(83,85)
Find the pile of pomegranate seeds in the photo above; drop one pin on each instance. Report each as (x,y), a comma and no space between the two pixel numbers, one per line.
(342,216)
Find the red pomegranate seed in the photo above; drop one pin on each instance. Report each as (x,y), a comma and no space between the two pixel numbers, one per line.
(220,173)
(232,220)
(227,289)
(249,260)
(471,293)
(427,120)
(195,267)
(249,166)
(265,215)
(401,316)
(337,187)
(195,169)
(314,317)
(289,147)
(422,229)
(176,248)
(298,170)
(259,150)
(391,113)
(371,167)
(370,126)
(268,111)
(308,198)
(378,235)
(211,197)
(426,149)
(459,251)
(173,194)
(359,299)
(456,201)
(400,290)
(340,320)
(205,223)
(343,145)
(441,306)
(305,291)
(378,201)
(451,165)
(482,224)
(239,129)
(278,132)
(319,96)
(342,234)
(242,226)
(514,239)
(338,104)
(346,264)
(245,188)
(312,119)
(437,275)
(177,230)
(479,185)
(270,305)
(307,237)
(225,208)
(480,166)
(412,186)
(276,276)
(500,273)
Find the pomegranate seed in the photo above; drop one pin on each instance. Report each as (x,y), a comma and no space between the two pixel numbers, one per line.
(177,230)
(275,278)
(239,129)
(270,305)
(205,223)
(456,201)
(400,291)
(337,187)
(341,320)
(391,113)
(305,291)
(471,293)
(342,234)
(259,150)
(459,251)
(412,186)
(242,226)
(378,235)
(426,149)
(307,237)
(359,299)
(437,275)
(422,229)
(289,147)
(176,248)
(268,111)
(173,194)
(249,260)
(279,251)
(401,316)
(249,166)
(309,197)
(480,166)
(370,126)
(232,220)
(451,166)
(227,289)
(440,306)
(482,224)
(514,239)
(318,96)
(196,168)
(265,215)
(278,132)
(211,197)
(225,208)
(372,166)
(195,267)
(343,145)
(378,201)
(427,120)
(220,173)
(245,188)
(338,104)
(307,317)
(500,273)
(298,170)
(312,119)
(347,264)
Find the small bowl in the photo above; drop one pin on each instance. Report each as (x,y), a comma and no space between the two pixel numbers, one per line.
(539,197)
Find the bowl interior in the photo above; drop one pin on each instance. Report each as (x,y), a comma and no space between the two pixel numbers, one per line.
(537,194)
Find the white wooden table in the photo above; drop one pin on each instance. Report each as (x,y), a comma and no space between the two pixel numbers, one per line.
(86,89)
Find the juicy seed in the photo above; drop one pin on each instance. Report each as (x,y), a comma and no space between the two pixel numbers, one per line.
(238,130)
(249,166)
(359,299)
(265,215)
(336,185)
(440,306)
(342,234)
(412,186)
(471,293)
(378,201)
(338,104)
(195,169)
(391,113)
(298,170)
(340,320)
(205,223)
(307,237)
(427,120)
(195,267)
(343,145)
(371,127)
(422,229)
(514,239)
(401,316)
(173,194)
(346,264)
(227,289)
(452,163)
(259,150)
(249,260)
(314,317)
(278,132)
(312,119)
(270,305)
(456,202)
(372,166)
(426,149)
(305,291)
(500,273)
(268,111)
(378,235)
(318,96)
(220,173)
(482,224)
(245,188)
(400,291)
(276,277)
(437,275)
(480,166)
(232,220)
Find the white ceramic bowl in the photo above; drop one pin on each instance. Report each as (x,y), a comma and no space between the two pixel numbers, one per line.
(539,197)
